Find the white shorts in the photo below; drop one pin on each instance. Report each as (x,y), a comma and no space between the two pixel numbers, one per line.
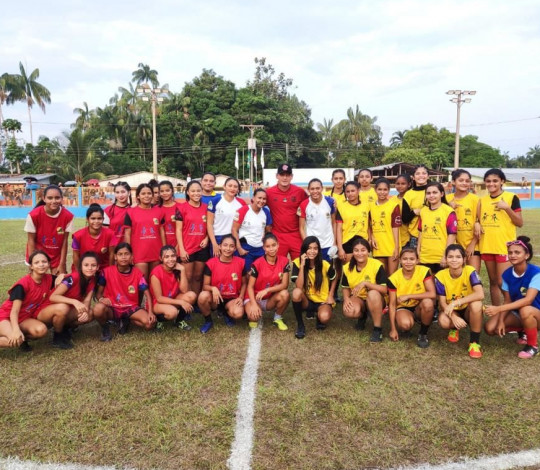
(261,303)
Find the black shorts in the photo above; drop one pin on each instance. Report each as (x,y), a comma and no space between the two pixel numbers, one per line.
(410,309)
(347,247)
(313,306)
(203,255)
(221,305)
(433,267)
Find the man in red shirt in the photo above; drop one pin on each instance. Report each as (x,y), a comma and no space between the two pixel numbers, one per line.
(283,200)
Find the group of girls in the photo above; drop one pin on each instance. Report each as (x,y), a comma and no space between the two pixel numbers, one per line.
(159,260)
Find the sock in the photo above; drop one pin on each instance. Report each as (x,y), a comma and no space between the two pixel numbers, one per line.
(475,337)
(297,307)
(181,314)
(160,317)
(208,319)
(277,317)
(532,337)
(377,328)
(424,329)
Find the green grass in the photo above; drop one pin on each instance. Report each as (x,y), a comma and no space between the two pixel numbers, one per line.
(330,401)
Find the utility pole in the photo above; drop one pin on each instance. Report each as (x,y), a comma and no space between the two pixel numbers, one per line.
(252,145)
(459,101)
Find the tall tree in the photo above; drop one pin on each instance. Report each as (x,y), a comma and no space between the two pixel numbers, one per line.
(27,88)
(83,117)
(397,138)
(145,74)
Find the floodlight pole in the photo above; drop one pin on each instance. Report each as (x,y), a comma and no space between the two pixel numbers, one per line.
(459,101)
(251,147)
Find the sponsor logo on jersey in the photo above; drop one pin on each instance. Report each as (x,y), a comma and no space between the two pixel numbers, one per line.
(156,221)
(60,230)
(234,276)
(131,289)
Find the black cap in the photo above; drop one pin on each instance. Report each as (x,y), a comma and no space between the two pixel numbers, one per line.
(284,168)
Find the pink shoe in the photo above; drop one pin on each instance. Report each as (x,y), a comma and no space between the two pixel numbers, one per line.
(528,352)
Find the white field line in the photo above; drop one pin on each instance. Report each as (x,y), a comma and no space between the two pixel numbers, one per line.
(524,458)
(242,445)
(13,463)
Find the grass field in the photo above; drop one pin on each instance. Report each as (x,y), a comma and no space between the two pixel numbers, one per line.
(332,401)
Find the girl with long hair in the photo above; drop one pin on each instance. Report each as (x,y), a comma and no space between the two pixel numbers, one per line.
(169,206)
(337,192)
(366,192)
(402,185)
(116,212)
(413,201)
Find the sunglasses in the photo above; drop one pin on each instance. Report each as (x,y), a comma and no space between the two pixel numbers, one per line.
(517,242)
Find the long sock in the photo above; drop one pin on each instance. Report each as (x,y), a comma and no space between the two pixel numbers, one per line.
(532,337)
(475,337)
(208,319)
(297,307)
(424,329)
(181,314)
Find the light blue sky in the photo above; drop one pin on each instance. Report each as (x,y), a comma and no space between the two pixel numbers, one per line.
(395,59)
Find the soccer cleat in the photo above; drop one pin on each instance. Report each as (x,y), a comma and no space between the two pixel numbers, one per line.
(106,333)
(453,336)
(61,341)
(320,326)
(25,347)
(123,326)
(376,336)
(300,332)
(528,352)
(206,327)
(253,324)
(422,341)
(188,317)
(183,325)
(522,338)
(280,324)
(229,321)
(475,351)
(361,323)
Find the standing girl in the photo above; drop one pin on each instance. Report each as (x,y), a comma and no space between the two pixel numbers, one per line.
(221,212)
(364,288)
(385,220)
(315,284)
(412,297)
(460,295)
(402,185)
(48,226)
(337,193)
(317,217)
(118,294)
(95,238)
(208,183)
(191,235)
(169,206)
(465,204)
(413,200)
(249,226)
(224,285)
(169,288)
(352,221)
(367,193)
(116,212)
(144,230)
(499,213)
(21,316)
(437,226)
(521,307)
(268,285)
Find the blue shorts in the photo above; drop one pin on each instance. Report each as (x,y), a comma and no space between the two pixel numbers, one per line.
(253,253)
(324,253)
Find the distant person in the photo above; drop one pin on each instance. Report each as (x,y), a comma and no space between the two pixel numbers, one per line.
(188,178)
(284,199)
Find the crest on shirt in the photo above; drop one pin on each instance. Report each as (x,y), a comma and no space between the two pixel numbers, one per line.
(417,286)
(204,218)
(523,291)
(60,230)
(437,220)
(104,249)
(299,212)
(156,221)
(173,218)
(210,205)
(280,276)
(131,289)
(234,276)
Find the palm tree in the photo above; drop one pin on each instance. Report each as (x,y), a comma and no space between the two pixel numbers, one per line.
(326,129)
(12,125)
(83,117)
(26,88)
(361,127)
(397,138)
(145,74)
(79,161)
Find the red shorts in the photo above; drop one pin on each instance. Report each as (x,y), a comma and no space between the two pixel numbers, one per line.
(289,243)
(4,315)
(493,257)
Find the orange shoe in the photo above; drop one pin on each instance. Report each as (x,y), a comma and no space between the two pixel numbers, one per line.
(453,336)
(475,351)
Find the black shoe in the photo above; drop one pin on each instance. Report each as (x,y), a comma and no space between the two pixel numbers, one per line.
(361,323)
(422,341)
(106,333)
(376,336)
(123,326)
(300,332)
(320,326)
(310,315)
(61,340)
(405,334)
(25,347)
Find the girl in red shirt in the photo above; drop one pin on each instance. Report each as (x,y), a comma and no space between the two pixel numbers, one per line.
(191,234)
(22,316)
(73,295)
(116,212)
(224,285)
(169,288)
(94,237)
(268,284)
(144,230)
(48,227)
(118,293)
(169,205)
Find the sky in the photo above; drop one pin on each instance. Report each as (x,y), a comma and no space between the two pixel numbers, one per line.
(394,59)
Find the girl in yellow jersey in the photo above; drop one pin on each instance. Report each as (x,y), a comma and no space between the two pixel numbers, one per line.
(364,288)
(352,220)
(413,200)
(367,193)
(412,297)
(402,185)
(437,227)
(385,220)
(465,204)
(315,283)
(499,213)
(460,295)
(337,192)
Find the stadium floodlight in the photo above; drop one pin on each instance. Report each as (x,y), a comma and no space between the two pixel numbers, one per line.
(459,101)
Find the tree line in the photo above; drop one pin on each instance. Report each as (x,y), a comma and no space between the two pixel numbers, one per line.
(198,129)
